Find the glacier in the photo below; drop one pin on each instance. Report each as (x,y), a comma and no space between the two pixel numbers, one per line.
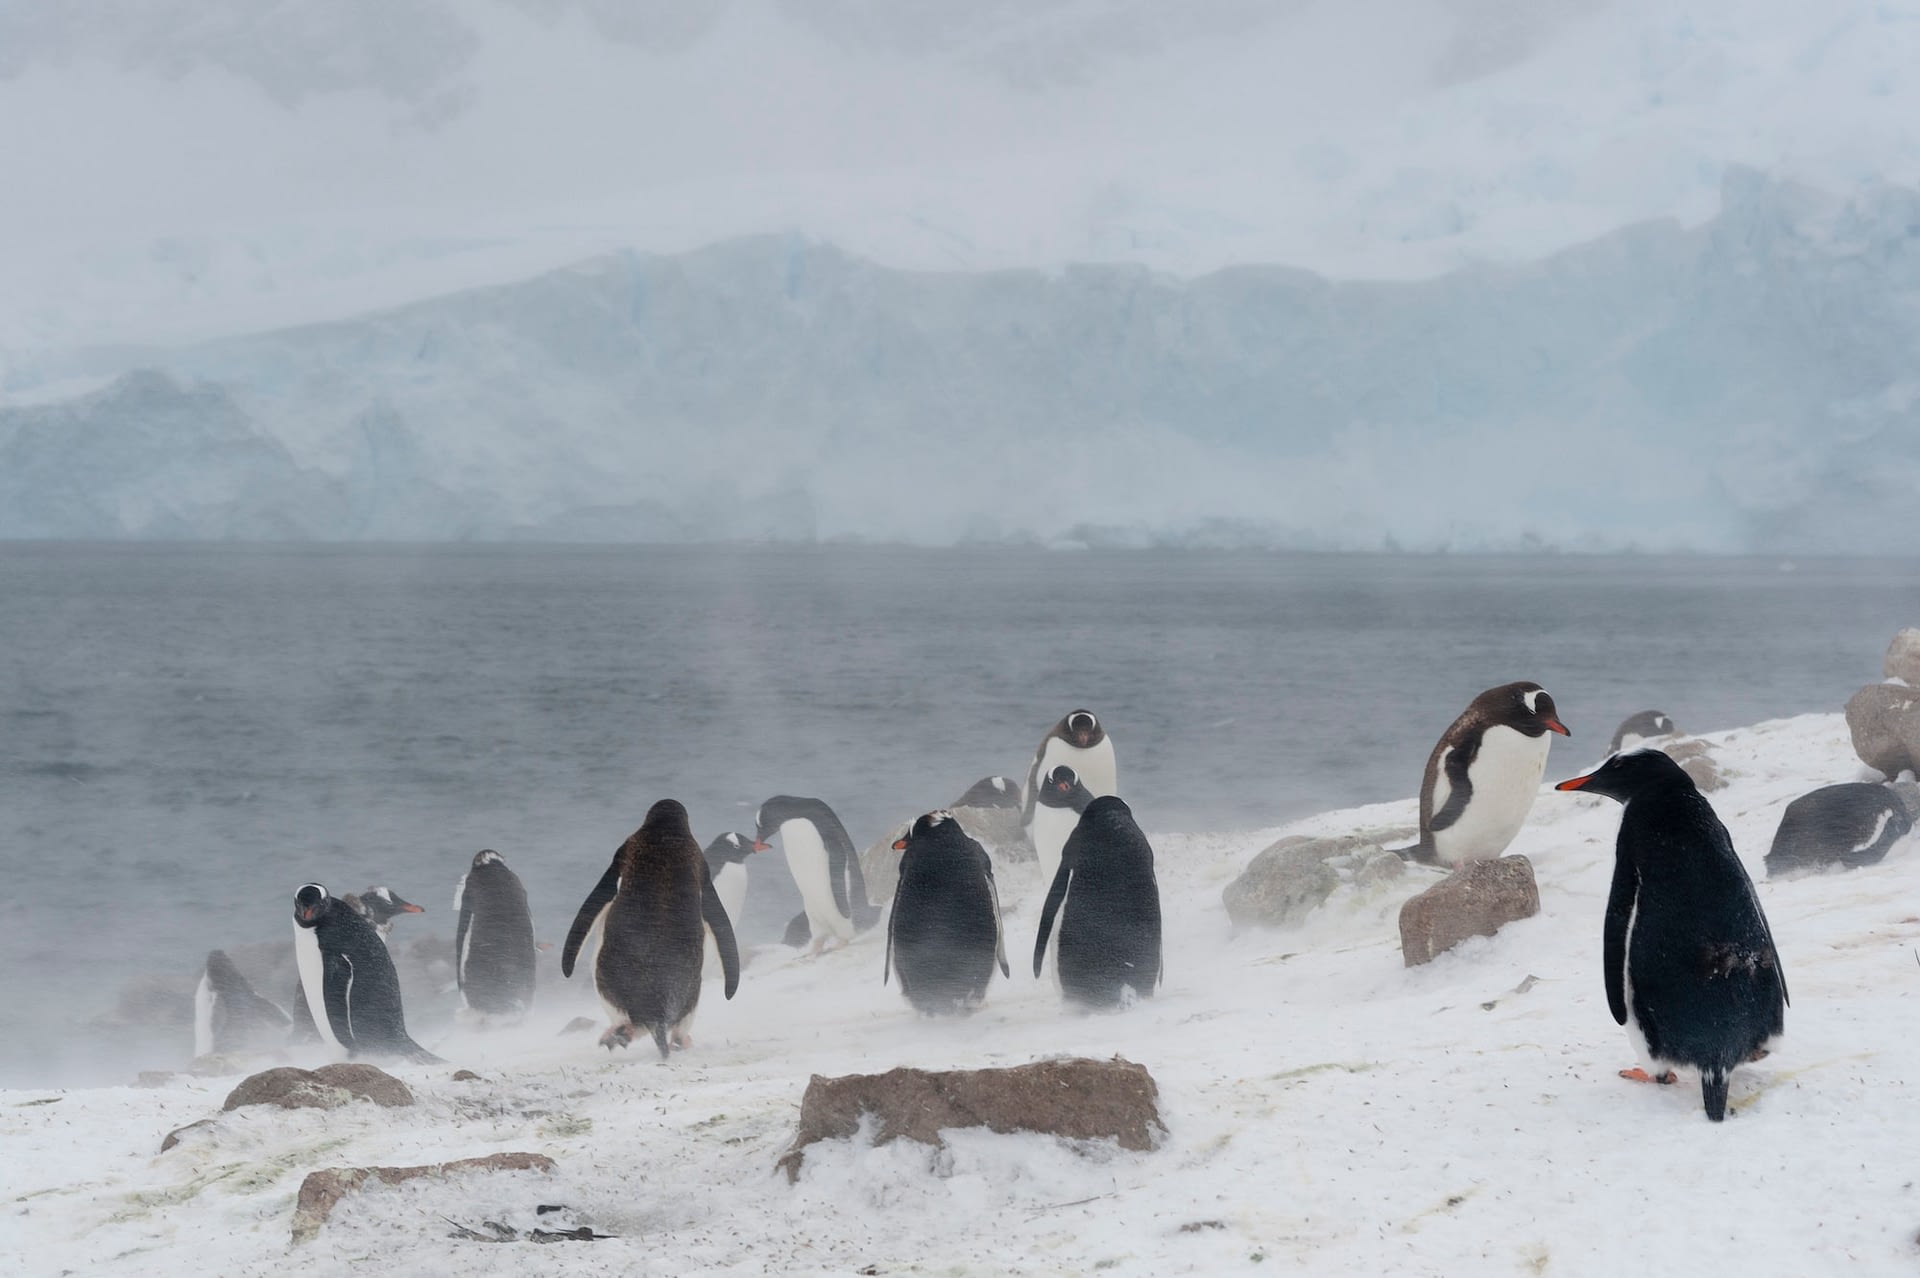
(1741,385)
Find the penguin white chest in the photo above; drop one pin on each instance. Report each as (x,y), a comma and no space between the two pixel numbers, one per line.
(730,885)
(306,950)
(1094,765)
(203,1015)
(1505,777)
(807,862)
(1050,830)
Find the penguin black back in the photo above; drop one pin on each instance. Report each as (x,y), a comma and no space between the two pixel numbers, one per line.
(230,1015)
(1690,962)
(1636,728)
(1108,902)
(1849,825)
(991,792)
(943,935)
(359,991)
(493,939)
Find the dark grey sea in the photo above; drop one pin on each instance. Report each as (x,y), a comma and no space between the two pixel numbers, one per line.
(188,733)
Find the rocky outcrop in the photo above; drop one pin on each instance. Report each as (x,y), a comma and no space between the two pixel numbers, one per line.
(322,1191)
(328,1087)
(1289,880)
(1074,1099)
(1903,657)
(1884,721)
(1478,899)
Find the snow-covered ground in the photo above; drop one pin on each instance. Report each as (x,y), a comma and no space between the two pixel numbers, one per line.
(1328,1109)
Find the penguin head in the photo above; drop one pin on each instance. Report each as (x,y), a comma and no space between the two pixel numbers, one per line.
(310,904)
(1082,729)
(487,856)
(1625,775)
(380,905)
(668,816)
(776,812)
(1640,727)
(1062,788)
(730,849)
(1525,707)
(934,828)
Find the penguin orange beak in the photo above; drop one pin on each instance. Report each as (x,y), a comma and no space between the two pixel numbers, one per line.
(411,908)
(1574,783)
(758,846)
(1554,725)
(899,845)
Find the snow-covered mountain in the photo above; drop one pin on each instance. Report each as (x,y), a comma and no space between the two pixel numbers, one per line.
(1746,384)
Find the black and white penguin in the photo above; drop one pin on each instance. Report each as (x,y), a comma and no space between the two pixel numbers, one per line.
(824,866)
(1637,729)
(1483,774)
(1691,968)
(347,976)
(1081,742)
(649,908)
(493,941)
(229,1016)
(380,906)
(726,860)
(1848,825)
(1058,803)
(991,792)
(1109,906)
(944,932)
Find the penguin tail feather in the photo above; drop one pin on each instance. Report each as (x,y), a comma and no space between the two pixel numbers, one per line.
(1419,853)
(660,1038)
(1714,1080)
(421,1056)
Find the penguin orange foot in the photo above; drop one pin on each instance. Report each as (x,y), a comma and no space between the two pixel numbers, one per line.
(1639,1075)
(617,1036)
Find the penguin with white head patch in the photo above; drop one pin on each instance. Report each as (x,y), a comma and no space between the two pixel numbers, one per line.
(1691,968)
(1847,825)
(380,906)
(229,1016)
(943,935)
(1080,741)
(1483,774)
(1108,903)
(347,976)
(1058,803)
(726,860)
(493,944)
(650,906)
(824,866)
(991,792)
(1637,729)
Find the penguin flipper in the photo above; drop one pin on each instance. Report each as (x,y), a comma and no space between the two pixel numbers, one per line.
(715,916)
(336,991)
(460,935)
(999,931)
(597,900)
(1055,895)
(1613,946)
(1453,775)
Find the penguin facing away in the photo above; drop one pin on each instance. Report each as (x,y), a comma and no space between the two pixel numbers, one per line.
(1849,825)
(991,792)
(726,859)
(1690,964)
(229,1016)
(650,906)
(493,941)
(1108,902)
(1081,742)
(1482,775)
(944,933)
(1058,803)
(824,865)
(1638,729)
(348,979)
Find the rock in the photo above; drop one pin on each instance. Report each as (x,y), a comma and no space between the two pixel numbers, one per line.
(465,1076)
(1475,900)
(205,1127)
(577,1024)
(155,1078)
(1695,758)
(1884,721)
(1908,792)
(1291,879)
(1903,657)
(328,1087)
(322,1191)
(1074,1099)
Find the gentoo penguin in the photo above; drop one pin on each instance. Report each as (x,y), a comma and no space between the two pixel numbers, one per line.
(1058,804)
(348,977)
(726,860)
(1109,906)
(1483,774)
(1638,729)
(650,905)
(380,906)
(1080,742)
(991,792)
(824,866)
(1691,968)
(493,940)
(1848,825)
(944,932)
(228,1016)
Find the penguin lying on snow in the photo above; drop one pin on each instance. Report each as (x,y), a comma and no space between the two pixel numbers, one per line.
(944,932)
(1482,775)
(1081,742)
(1848,825)
(493,941)
(348,979)
(824,866)
(228,1016)
(650,905)
(1109,906)
(1691,968)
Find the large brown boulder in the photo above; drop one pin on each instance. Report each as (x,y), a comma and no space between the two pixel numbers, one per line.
(1075,1099)
(1884,721)
(322,1191)
(1475,900)
(328,1087)
(1903,657)
(1292,878)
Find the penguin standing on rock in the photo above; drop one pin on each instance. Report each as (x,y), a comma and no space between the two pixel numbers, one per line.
(1081,742)
(351,988)
(649,907)
(1691,968)
(1108,902)
(493,940)
(1483,774)
(944,932)
(229,1016)
(824,866)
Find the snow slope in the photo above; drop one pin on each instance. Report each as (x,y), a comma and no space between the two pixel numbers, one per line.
(1329,1110)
